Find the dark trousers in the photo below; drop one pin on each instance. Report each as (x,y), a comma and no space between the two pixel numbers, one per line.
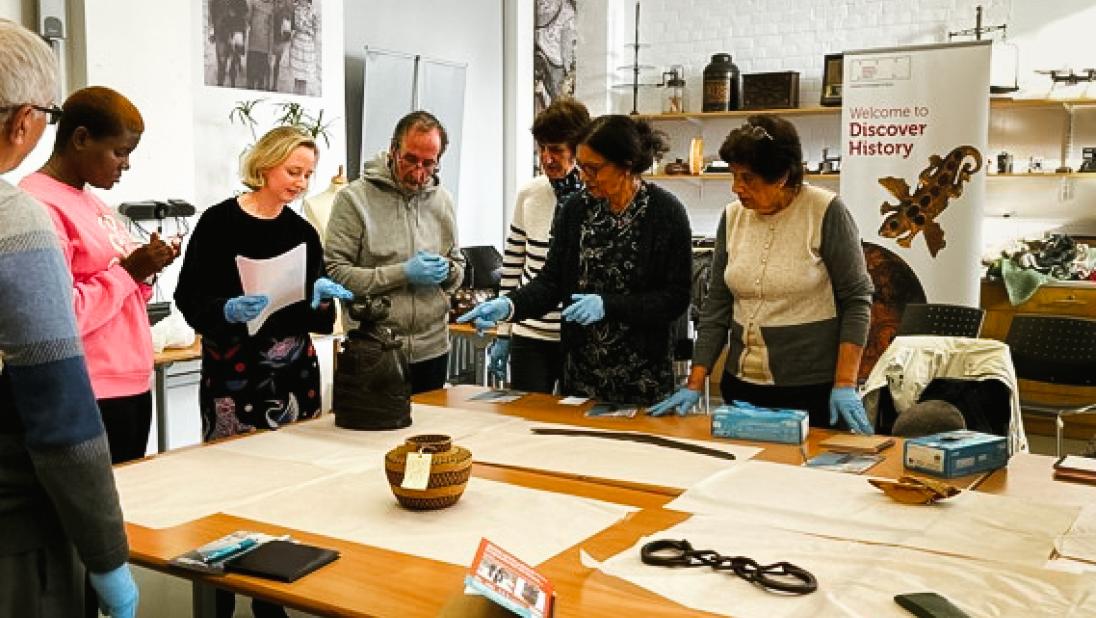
(814,398)
(429,375)
(534,364)
(42,583)
(127,421)
(226,606)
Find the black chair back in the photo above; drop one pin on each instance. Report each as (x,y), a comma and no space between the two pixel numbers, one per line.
(940,319)
(1055,349)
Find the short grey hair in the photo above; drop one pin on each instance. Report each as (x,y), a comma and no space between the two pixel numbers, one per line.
(29,68)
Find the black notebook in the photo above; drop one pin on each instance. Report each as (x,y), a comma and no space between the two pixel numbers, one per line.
(281,560)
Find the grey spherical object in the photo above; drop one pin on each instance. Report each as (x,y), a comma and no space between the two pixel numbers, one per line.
(928,417)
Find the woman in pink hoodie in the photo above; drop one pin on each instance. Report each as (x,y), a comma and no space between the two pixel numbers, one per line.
(111,272)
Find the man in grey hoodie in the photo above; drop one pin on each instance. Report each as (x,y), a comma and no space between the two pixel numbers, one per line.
(393,232)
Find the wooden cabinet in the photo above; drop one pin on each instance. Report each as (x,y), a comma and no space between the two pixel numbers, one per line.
(1069,298)
(1072,298)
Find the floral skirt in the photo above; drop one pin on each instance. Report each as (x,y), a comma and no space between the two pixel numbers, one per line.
(257,383)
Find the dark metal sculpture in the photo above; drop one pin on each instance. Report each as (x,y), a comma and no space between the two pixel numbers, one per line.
(372,388)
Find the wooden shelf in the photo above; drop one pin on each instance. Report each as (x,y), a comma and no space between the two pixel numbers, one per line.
(727,177)
(995,103)
(1091,175)
(1022,103)
(742,113)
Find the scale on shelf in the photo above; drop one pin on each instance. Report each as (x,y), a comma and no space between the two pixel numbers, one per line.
(1005,62)
(672,78)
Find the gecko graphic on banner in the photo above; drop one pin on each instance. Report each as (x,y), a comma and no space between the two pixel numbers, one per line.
(937,184)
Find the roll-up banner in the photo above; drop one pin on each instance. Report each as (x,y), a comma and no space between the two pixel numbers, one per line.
(914,126)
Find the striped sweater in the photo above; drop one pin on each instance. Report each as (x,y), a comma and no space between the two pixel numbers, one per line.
(527,247)
(56,482)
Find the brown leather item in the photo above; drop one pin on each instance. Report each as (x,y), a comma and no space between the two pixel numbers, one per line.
(914,490)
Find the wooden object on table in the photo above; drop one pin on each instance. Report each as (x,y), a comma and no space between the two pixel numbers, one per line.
(1066,298)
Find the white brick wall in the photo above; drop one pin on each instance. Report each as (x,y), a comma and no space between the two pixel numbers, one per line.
(779,35)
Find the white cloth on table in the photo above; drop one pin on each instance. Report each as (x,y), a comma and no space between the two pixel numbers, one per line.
(845,506)
(854,579)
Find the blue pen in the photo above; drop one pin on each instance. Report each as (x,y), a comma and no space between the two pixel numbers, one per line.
(228,550)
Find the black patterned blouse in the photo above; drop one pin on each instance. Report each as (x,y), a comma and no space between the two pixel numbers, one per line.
(609,366)
(640,263)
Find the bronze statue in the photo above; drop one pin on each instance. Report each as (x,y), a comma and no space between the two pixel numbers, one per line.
(372,388)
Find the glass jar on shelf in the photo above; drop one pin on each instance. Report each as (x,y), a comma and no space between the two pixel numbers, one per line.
(673,100)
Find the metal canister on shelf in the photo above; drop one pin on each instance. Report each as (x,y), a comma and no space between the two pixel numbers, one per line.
(722,85)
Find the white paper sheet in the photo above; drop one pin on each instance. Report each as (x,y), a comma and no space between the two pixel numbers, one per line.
(514,444)
(319,442)
(178,487)
(855,579)
(280,278)
(533,525)
(842,506)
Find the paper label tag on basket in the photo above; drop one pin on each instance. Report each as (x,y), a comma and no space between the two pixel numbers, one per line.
(416,474)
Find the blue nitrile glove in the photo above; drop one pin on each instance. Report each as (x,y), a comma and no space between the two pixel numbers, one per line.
(587,309)
(680,403)
(500,353)
(325,288)
(244,308)
(486,314)
(425,268)
(117,592)
(845,401)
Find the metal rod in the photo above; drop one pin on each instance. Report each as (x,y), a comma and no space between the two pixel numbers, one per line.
(635,65)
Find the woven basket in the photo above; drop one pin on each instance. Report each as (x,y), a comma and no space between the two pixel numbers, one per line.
(450,468)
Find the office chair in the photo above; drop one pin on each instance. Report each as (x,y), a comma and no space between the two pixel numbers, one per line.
(1057,350)
(940,319)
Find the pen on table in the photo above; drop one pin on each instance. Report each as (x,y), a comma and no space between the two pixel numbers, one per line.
(228,550)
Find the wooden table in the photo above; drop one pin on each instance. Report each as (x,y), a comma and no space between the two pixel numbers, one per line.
(541,407)
(370,581)
(1032,477)
(160,362)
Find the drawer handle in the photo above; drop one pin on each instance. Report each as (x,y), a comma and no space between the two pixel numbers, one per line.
(1067,301)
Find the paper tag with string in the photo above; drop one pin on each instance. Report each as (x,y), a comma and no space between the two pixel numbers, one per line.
(416,474)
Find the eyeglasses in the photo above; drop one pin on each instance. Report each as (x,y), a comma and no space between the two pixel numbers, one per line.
(52,112)
(410,160)
(755,131)
(589,169)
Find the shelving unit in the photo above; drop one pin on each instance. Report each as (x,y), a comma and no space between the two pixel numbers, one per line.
(726,177)
(698,120)
(834,111)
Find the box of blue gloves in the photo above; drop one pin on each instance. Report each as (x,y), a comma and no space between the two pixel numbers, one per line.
(956,453)
(745,421)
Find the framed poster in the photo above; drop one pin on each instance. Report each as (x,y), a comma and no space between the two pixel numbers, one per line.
(831,79)
(272,45)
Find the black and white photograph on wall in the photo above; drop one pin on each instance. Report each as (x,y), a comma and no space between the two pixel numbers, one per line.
(271,45)
(554,41)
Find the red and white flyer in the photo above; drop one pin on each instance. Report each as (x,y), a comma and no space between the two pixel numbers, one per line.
(501,577)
